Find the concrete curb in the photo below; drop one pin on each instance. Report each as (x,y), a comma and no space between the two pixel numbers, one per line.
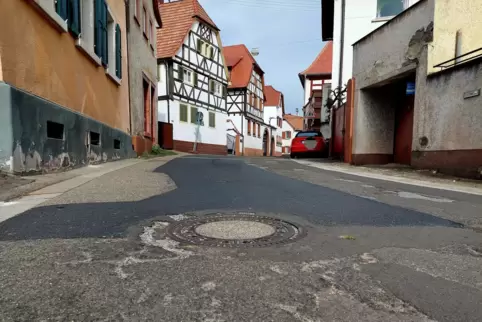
(448,186)
(53,189)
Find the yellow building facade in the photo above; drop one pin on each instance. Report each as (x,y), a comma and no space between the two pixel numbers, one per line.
(64,80)
(457,31)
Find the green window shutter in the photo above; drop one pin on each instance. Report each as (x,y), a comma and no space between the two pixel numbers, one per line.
(211,52)
(74,17)
(183,112)
(98,28)
(194,76)
(211,86)
(61,7)
(199,45)
(104,34)
(212,119)
(118,51)
(193,114)
(180,72)
(224,91)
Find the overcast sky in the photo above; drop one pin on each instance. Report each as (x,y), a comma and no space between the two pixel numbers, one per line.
(287,33)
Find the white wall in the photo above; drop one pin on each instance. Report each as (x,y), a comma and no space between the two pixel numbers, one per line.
(186,131)
(359,21)
(274,111)
(288,127)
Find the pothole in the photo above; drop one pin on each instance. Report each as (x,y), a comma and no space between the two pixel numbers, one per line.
(234,230)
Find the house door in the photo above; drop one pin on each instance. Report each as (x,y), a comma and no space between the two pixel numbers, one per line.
(265,143)
(404,132)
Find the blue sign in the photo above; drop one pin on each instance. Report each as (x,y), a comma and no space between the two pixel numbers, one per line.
(410,88)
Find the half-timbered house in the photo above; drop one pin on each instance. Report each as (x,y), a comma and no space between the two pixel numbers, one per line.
(245,102)
(192,78)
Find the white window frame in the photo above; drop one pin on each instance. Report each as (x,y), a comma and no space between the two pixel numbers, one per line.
(205,48)
(85,42)
(48,6)
(217,88)
(190,74)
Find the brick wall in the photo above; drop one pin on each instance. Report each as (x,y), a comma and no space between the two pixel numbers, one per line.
(201,148)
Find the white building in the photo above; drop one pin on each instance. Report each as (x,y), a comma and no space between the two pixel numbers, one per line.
(292,124)
(192,78)
(245,103)
(360,18)
(274,109)
(316,82)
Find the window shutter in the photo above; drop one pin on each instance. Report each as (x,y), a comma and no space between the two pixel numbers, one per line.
(61,7)
(104,34)
(284,135)
(211,52)
(212,119)
(73,9)
(193,114)
(199,45)
(194,76)
(183,112)
(100,17)
(118,51)
(211,86)
(180,73)
(224,91)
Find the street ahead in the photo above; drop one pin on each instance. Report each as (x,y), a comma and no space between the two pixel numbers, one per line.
(369,250)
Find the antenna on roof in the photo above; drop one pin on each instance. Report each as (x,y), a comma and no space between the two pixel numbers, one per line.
(255,51)
(296,111)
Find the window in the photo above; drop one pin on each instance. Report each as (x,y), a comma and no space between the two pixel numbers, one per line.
(117,144)
(205,49)
(197,117)
(183,113)
(215,88)
(55,130)
(187,76)
(136,8)
(94,138)
(259,130)
(147,107)
(151,31)
(308,134)
(287,135)
(254,129)
(389,8)
(144,21)
(249,127)
(212,119)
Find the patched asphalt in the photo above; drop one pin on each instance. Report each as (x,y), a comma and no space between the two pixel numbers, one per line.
(90,255)
(217,184)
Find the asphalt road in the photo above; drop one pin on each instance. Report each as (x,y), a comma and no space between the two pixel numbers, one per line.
(373,250)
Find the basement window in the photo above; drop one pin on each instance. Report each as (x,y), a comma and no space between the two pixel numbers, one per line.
(117,144)
(94,138)
(55,130)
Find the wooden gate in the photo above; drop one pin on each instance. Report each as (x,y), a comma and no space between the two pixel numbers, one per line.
(338,131)
(165,135)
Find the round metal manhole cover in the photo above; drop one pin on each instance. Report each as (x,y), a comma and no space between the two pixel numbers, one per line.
(221,230)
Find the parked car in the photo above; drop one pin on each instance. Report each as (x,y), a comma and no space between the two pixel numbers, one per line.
(309,143)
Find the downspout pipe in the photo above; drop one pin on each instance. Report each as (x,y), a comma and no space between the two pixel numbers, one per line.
(340,72)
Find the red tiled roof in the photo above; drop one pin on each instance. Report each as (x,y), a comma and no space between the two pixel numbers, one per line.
(322,63)
(241,62)
(177,19)
(273,97)
(295,121)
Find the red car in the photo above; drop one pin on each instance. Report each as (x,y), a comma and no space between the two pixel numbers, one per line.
(309,143)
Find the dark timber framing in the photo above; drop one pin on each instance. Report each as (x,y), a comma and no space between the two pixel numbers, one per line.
(200,55)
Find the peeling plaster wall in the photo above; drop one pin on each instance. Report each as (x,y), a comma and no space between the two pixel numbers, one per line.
(380,58)
(25,146)
(6,138)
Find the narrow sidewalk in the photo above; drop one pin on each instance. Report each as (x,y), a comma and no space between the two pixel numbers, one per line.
(48,186)
(421,178)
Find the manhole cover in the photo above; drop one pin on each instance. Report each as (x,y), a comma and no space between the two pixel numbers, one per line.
(237,230)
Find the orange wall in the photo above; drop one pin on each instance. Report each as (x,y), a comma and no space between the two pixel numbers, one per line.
(36,57)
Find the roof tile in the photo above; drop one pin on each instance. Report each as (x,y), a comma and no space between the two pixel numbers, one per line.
(322,62)
(177,19)
(295,121)
(241,62)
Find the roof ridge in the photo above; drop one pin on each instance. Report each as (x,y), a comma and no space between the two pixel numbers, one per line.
(327,45)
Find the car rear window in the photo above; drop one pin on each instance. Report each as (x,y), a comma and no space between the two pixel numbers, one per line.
(308,134)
